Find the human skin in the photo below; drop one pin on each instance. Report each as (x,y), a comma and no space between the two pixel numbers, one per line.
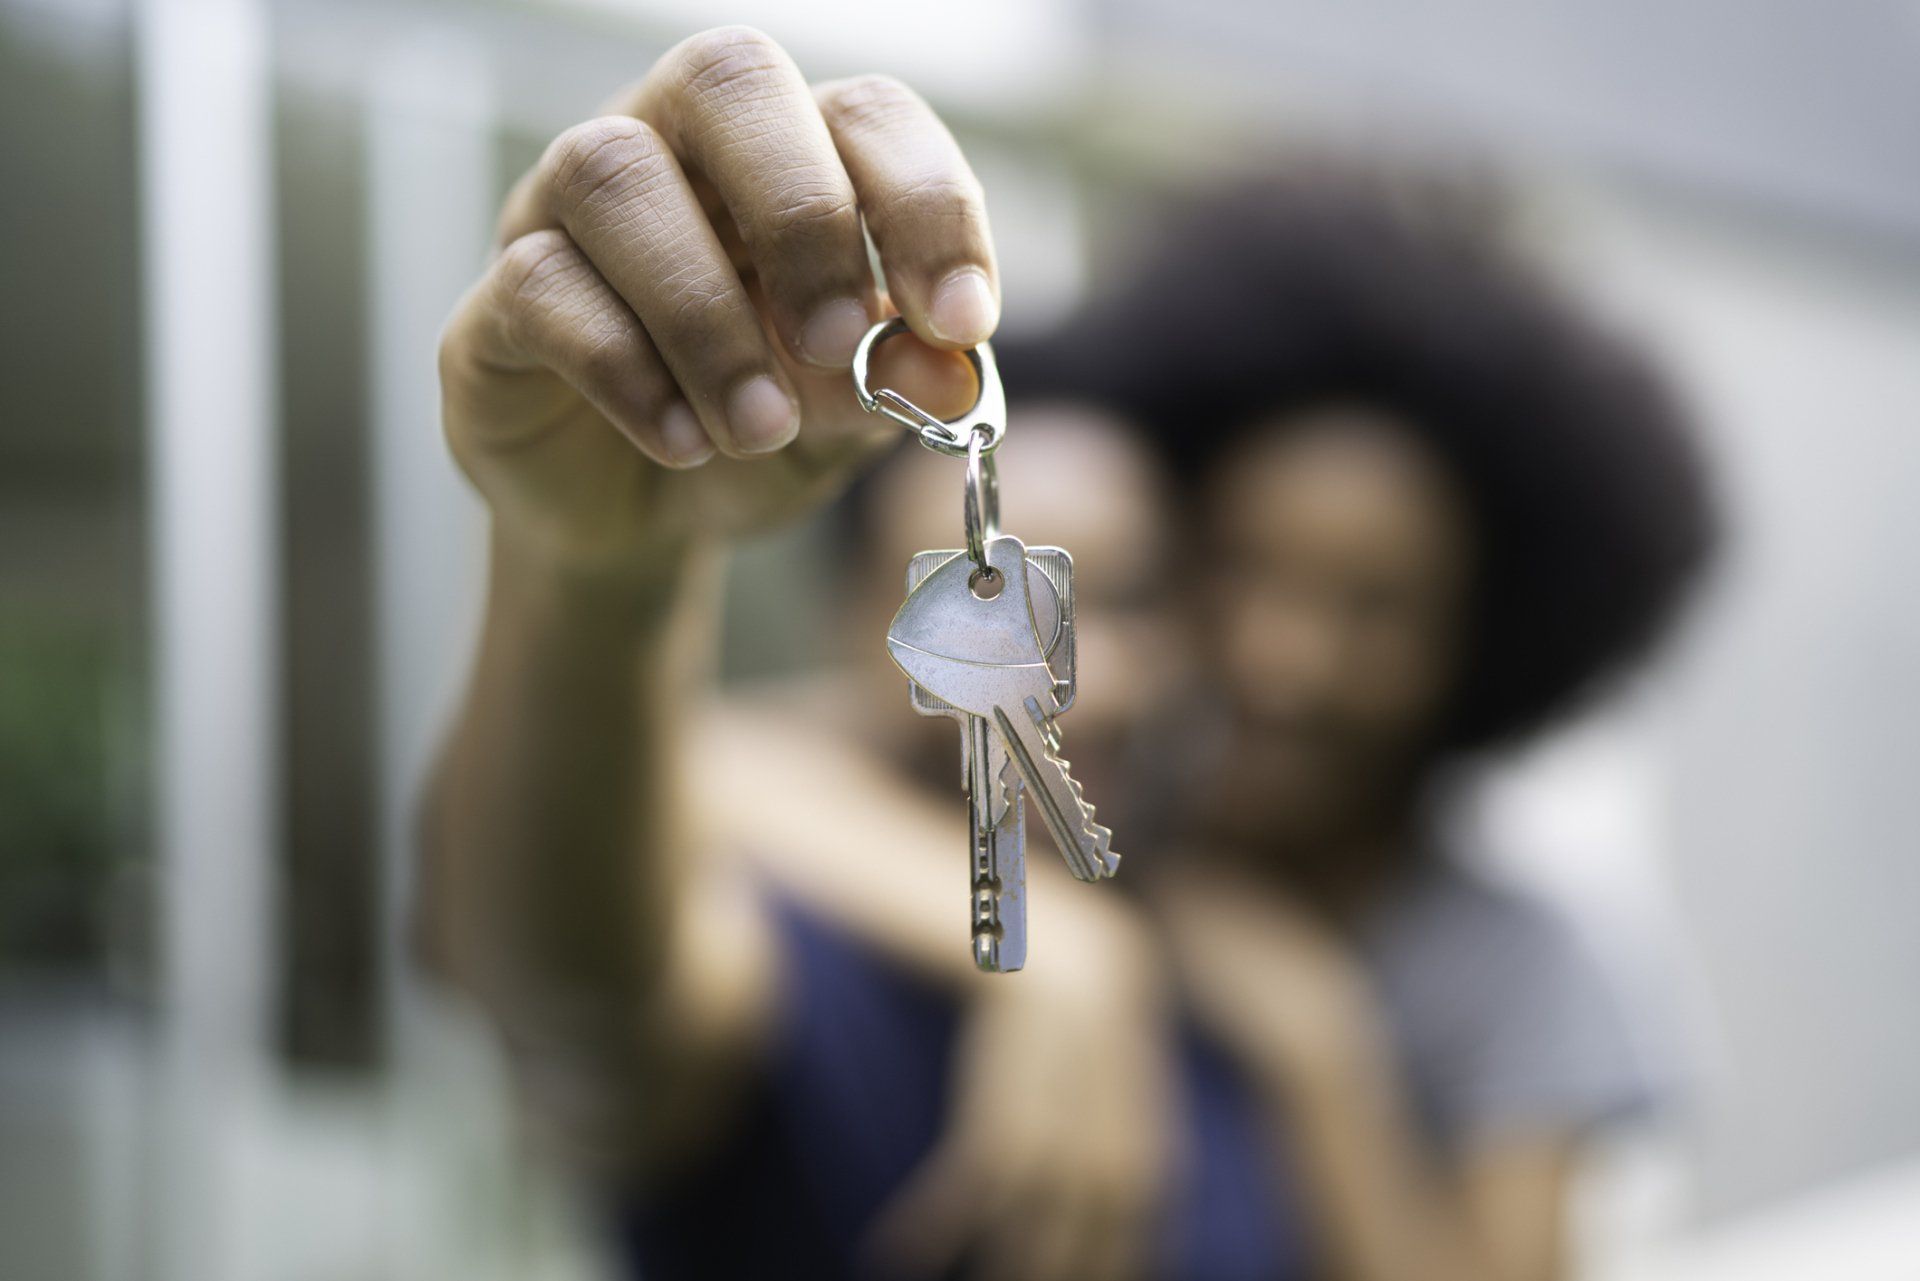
(1337,559)
(1341,558)
(653,366)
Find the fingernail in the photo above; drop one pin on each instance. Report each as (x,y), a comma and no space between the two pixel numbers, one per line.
(686,444)
(762,416)
(832,333)
(964,310)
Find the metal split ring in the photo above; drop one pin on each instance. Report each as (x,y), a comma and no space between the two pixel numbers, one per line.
(981,515)
(953,437)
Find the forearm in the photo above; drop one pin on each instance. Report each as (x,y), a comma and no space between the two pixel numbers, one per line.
(890,868)
(854,842)
(553,823)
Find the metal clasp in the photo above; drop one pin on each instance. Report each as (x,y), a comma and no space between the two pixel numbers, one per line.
(952,437)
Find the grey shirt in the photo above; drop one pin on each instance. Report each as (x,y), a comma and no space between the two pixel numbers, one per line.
(1502,1017)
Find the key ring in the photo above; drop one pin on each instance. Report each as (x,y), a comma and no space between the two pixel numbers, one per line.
(953,437)
(981,513)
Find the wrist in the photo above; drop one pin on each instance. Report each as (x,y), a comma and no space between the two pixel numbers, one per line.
(621,598)
(575,570)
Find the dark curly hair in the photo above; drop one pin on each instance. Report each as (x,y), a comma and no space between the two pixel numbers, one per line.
(1339,286)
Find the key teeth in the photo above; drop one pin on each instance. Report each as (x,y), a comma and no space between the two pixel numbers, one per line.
(1106,862)
(1009,780)
(1105,859)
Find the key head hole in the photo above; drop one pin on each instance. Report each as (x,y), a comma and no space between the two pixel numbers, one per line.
(986,583)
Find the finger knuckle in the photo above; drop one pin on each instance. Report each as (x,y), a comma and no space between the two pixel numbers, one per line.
(726,61)
(608,155)
(608,359)
(700,316)
(814,211)
(455,358)
(942,196)
(872,101)
(529,272)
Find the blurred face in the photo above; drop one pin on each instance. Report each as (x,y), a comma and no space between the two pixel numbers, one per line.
(1071,478)
(1339,562)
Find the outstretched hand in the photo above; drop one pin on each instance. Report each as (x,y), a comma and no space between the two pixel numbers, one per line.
(687,277)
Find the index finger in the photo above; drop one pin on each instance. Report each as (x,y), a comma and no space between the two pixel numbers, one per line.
(923,206)
(735,108)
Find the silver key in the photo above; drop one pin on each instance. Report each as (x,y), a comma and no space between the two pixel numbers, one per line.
(996,813)
(997,862)
(1004,681)
(980,651)
(1052,616)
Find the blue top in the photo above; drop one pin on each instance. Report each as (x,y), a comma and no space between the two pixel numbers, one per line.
(1500,1018)
(853,1097)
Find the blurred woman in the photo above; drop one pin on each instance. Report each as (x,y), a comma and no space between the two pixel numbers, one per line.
(1431,507)
(1435,509)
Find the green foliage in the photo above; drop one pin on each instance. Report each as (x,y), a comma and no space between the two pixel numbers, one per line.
(65,738)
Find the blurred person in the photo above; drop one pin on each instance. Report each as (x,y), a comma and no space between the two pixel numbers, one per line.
(1079,479)
(870,842)
(1437,509)
(1433,507)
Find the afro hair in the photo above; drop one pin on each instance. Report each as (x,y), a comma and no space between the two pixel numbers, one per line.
(1342,286)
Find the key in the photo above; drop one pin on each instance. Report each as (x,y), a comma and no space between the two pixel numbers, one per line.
(971,640)
(998,660)
(997,871)
(996,813)
(1053,617)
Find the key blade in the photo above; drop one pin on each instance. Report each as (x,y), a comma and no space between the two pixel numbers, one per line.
(1085,845)
(998,842)
(994,792)
(999,886)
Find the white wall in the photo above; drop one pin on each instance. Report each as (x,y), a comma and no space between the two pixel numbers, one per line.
(1791,733)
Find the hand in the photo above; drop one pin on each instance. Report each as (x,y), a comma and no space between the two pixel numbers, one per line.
(1058,1150)
(687,276)
(1274,984)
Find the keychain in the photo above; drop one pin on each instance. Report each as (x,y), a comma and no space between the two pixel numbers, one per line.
(985,636)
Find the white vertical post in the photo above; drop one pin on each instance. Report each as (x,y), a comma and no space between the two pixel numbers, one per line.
(205,145)
(430,138)
(430,195)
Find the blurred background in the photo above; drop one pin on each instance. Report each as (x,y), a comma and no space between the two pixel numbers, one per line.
(238,577)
